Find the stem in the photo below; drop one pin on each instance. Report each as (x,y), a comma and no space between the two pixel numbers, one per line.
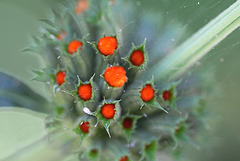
(183,57)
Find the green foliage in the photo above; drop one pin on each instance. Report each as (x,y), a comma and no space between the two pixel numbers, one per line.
(19,128)
(159,124)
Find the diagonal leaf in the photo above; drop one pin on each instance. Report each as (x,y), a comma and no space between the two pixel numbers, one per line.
(15,93)
(19,128)
(199,44)
(24,137)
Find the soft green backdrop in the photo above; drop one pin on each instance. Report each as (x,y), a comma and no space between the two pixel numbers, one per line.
(18,21)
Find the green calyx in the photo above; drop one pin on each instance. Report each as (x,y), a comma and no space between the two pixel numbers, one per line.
(141,66)
(128,124)
(108,115)
(153,102)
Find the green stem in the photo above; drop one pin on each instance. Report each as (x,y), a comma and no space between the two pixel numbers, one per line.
(183,57)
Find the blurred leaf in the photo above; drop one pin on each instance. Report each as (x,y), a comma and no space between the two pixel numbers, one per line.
(19,129)
(15,93)
(24,137)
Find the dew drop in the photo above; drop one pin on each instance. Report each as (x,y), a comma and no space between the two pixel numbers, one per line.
(55,88)
(58,57)
(132,144)
(198,3)
(221,60)
(58,49)
(52,37)
(87,111)
(145,115)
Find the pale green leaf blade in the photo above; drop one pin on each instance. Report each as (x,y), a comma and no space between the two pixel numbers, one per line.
(199,44)
(19,128)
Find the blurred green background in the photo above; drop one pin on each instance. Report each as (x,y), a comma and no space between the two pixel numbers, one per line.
(19,20)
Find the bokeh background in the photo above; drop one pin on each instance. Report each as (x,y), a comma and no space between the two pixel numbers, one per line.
(19,20)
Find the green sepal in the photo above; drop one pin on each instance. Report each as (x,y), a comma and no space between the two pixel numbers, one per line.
(130,130)
(141,48)
(92,149)
(106,122)
(48,75)
(47,21)
(77,23)
(94,154)
(77,129)
(45,75)
(59,110)
(58,20)
(150,150)
(200,113)
(95,89)
(179,133)
(172,88)
(153,102)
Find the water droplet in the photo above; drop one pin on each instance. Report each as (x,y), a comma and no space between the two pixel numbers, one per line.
(198,3)
(96,124)
(132,144)
(52,37)
(58,49)
(221,60)
(58,57)
(173,39)
(87,111)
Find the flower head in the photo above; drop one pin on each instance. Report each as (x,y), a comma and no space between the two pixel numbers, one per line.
(115,76)
(109,96)
(74,45)
(108,111)
(107,45)
(60,77)
(85,92)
